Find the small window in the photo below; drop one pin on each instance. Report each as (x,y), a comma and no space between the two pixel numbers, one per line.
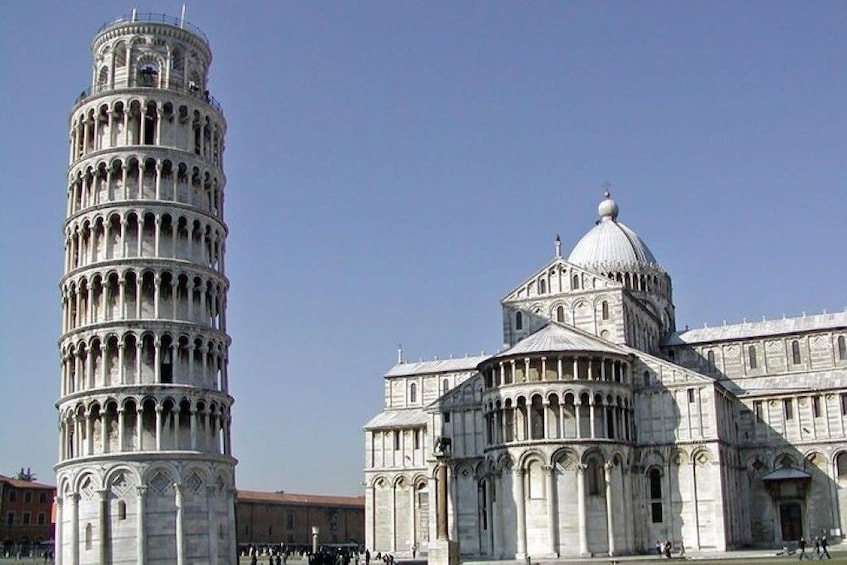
(656,512)
(842,348)
(844,404)
(841,466)
(542,286)
(396,440)
(121,510)
(710,360)
(605,310)
(575,282)
(691,396)
(788,409)
(42,498)
(10,518)
(757,410)
(27,496)
(417,439)
(413,393)
(560,314)
(13,495)
(42,518)
(816,406)
(289,521)
(445,386)
(751,357)
(518,321)
(655,484)
(447,417)
(89,535)
(795,352)
(25,519)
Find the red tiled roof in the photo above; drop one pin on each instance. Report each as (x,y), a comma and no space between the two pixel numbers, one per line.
(17,483)
(300,499)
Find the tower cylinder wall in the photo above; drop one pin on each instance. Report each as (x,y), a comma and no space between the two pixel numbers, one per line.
(145,471)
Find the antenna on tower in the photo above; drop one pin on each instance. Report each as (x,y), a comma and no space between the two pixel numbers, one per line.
(399,353)
(558,246)
(182,17)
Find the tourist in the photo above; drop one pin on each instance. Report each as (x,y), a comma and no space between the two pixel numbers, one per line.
(824,550)
(817,547)
(802,545)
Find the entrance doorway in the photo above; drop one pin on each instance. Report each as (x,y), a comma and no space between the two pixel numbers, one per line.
(791,521)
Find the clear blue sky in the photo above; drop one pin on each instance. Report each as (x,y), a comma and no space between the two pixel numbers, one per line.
(394,168)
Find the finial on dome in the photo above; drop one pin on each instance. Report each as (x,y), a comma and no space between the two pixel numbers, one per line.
(558,246)
(608,208)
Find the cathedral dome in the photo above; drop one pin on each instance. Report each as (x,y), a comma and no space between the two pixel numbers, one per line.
(610,242)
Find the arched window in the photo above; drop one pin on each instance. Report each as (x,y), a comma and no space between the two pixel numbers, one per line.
(445,386)
(841,466)
(560,314)
(518,321)
(575,283)
(710,360)
(605,310)
(751,357)
(842,348)
(120,55)
(795,352)
(121,510)
(89,529)
(413,393)
(542,286)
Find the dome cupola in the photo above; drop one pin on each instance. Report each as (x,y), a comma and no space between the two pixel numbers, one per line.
(610,243)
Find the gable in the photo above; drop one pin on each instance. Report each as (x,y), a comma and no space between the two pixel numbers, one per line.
(557,278)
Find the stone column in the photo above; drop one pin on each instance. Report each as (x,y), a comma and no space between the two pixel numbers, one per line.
(520,511)
(610,516)
(180,531)
(140,532)
(552,522)
(59,546)
(104,525)
(441,501)
(580,505)
(74,527)
(213,526)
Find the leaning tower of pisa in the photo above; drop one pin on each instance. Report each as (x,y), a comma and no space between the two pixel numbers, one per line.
(145,472)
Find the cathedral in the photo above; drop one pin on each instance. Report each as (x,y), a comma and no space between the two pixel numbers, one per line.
(600,428)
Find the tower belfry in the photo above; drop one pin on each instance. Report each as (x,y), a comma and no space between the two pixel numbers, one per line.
(145,472)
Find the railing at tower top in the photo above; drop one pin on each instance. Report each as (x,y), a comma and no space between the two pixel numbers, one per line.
(151,17)
(177,87)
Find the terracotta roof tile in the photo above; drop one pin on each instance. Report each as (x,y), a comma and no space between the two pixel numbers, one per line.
(300,499)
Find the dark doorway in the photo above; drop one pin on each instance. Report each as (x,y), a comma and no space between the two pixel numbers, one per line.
(791,520)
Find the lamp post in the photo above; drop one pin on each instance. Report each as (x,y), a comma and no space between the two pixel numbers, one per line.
(315,531)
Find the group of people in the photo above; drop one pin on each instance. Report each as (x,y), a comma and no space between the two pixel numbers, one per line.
(820,548)
(665,547)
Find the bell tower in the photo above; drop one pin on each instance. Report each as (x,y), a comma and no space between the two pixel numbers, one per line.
(145,472)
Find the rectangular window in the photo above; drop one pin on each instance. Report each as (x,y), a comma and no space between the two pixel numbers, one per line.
(13,495)
(417,439)
(757,409)
(396,440)
(447,417)
(10,518)
(27,496)
(42,518)
(816,406)
(691,395)
(42,498)
(788,409)
(290,521)
(656,512)
(25,520)
(844,404)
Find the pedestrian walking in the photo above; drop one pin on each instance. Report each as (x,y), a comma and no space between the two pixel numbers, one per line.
(824,550)
(802,546)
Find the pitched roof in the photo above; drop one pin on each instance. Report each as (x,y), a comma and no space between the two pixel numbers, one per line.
(785,473)
(299,499)
(17,483)
(555,338)
(749,330)
(397,419)
(458,365)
